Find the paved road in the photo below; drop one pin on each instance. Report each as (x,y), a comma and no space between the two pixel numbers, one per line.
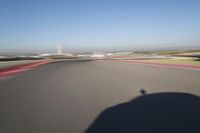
(66,96)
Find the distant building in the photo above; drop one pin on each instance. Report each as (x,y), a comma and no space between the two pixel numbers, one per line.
(59,50)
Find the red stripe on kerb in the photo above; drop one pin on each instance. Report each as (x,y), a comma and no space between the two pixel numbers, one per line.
(20,68)
(161,64)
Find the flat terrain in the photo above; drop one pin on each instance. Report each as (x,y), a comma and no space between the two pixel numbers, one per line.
(66,96)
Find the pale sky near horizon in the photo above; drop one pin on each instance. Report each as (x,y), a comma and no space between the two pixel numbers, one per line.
(99,24)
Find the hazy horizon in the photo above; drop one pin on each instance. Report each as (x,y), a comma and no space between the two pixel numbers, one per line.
(54,50)
(98,25)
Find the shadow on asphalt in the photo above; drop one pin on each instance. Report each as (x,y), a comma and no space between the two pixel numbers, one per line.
(151,113)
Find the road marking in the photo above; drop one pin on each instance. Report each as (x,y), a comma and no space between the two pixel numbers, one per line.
(21,68)
(191,67)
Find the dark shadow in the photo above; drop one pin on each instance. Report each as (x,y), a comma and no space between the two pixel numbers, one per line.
(151,113)
(197,59)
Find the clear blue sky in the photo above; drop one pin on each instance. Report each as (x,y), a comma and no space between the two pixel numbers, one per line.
(99,24)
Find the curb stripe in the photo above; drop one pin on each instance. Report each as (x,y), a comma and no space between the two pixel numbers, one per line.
(21,68)
(161,64)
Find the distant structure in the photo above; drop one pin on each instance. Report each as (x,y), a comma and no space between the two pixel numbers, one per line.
(59,50)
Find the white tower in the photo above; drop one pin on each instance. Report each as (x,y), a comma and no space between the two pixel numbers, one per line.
(59,50)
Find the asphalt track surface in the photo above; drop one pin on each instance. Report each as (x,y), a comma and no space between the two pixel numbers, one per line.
(67,96)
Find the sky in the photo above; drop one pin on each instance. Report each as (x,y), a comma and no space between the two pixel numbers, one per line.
(98,25)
